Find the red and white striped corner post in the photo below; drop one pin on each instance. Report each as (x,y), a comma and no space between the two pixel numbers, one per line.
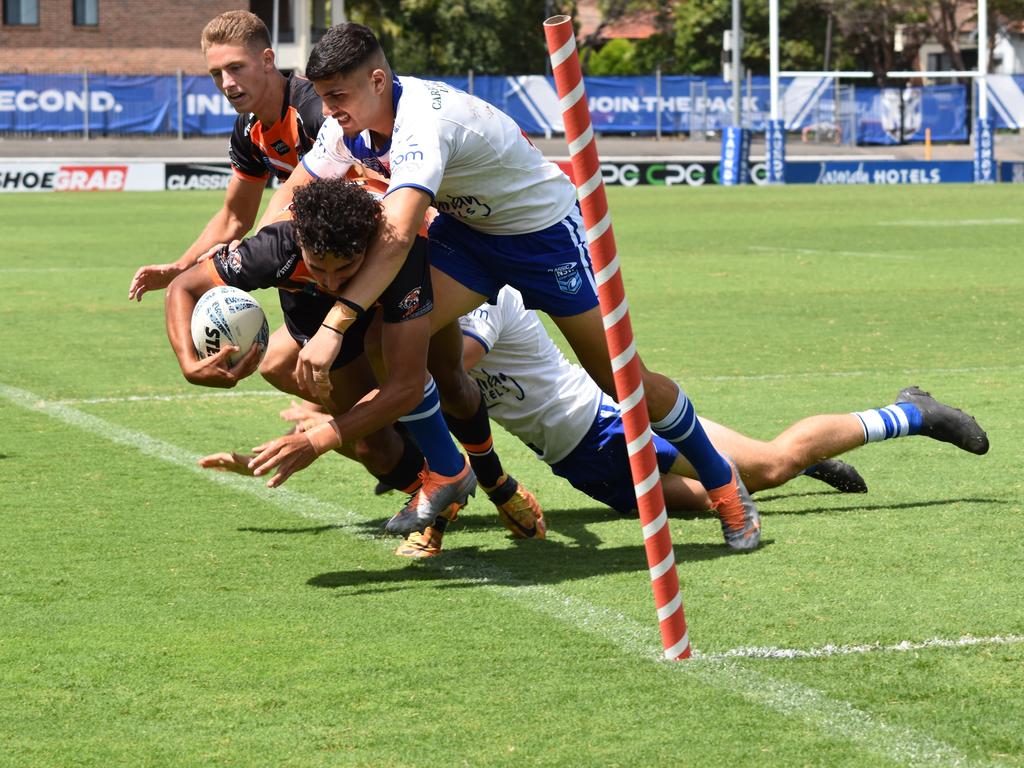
(586,168)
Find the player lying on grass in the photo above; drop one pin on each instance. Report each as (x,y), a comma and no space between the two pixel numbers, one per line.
(556,409)
(309,260)
(505,215)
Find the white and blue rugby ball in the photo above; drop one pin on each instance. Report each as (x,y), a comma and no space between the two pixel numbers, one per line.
(226,316)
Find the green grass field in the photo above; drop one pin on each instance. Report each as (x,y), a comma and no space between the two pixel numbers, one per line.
(152,614)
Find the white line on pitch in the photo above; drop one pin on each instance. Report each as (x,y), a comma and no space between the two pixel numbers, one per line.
(826,651)
(820,252)
(836,718)
(929,223)
(165,398)
(268,393)
(62,270)
(855,374)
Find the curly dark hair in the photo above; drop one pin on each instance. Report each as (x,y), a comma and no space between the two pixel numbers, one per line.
(342,49)
(334,217)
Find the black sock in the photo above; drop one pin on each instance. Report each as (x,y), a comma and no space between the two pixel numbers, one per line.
(404,476)
(474,434)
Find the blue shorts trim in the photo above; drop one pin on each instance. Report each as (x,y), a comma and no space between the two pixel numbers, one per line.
(550,268)
(599,465)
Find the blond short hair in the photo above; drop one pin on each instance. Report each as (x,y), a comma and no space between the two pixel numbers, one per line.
(236,27)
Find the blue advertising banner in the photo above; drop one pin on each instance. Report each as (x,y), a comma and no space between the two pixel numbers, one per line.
(879,172)
(889,115)
(775,151)
(735,164)
(984,152)
(140,105)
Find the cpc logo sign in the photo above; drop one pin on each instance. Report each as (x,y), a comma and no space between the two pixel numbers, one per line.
(658,174)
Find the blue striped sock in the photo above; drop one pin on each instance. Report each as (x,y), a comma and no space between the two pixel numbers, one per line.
(428,428)
(681,428)
(899,420)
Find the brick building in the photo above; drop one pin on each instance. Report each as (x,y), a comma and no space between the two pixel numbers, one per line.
(142,37)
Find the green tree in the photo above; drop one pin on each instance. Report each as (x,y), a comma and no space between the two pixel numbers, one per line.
(450,37)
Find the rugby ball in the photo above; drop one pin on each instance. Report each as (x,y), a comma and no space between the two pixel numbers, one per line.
(226,316)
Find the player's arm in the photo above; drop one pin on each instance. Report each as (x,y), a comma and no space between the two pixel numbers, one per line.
(404,210)
(405,356)
(234,219)
(214,371)
(472,352)
(282,198)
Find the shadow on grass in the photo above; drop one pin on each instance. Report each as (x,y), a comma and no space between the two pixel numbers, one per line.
(525,563)
(769,512)
(315,530)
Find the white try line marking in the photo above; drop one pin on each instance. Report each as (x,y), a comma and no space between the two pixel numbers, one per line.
(819,252)
(929,223)
(827,651)
(835,718)
(273,393)
(908,372)
(167,398)
(62,270)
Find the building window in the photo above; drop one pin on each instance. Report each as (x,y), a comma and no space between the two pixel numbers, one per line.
(21,13)
(86,13)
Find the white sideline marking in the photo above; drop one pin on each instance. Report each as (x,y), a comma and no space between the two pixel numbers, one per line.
(63,270)
(949,223)
(854,374)
(165,398)
(826,651)
(836,718)
(820,252)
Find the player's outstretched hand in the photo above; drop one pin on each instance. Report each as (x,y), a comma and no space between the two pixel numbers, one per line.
(227,462)
(313,368)
(152,277)
(304,415)
(289,454)
(217,371)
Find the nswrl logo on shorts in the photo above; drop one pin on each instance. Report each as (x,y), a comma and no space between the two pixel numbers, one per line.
(568,277)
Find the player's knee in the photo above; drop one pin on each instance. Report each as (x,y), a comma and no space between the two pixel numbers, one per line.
(275,371)
(377,453)
(771,475)
(460,396)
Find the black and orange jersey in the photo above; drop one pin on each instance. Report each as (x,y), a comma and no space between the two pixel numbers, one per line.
(272,258)
(257,151)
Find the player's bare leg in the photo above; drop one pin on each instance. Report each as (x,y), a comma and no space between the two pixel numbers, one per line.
(466,413)
(764,464)
(278,364)
(674,418)
(379,451)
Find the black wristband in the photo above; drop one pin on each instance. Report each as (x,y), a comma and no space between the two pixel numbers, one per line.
(352,305)
(325,325)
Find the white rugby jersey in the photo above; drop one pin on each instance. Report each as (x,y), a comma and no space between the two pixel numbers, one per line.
(471,158)
(527,384)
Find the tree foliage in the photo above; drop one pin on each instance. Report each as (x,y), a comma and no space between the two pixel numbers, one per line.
(450,37)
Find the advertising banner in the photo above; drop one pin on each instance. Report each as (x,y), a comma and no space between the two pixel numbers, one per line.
(775,148)
(619,105)
(735,165)
(80,176)
(984,153)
